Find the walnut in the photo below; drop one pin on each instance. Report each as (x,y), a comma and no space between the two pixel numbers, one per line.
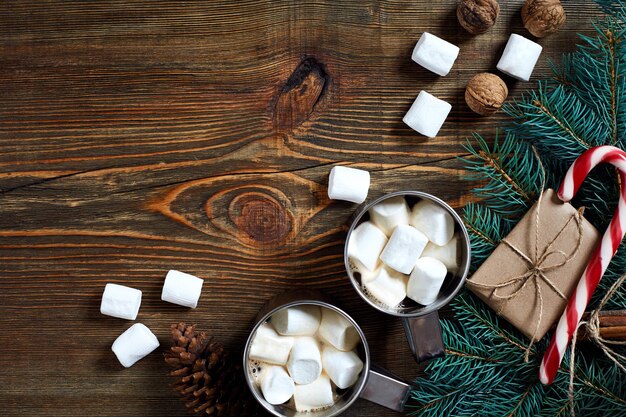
(543,17)
(485,93)
(477,16)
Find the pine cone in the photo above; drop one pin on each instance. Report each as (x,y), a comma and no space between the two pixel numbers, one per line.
(208,378)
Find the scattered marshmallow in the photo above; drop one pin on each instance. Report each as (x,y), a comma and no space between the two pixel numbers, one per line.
(134,344)
(434,221)
(348,184)
(269,346)
(426,280)
(182,289)
(427,114)
(305,362)
(120,301)
(318,394)
(388,287)
(365,245)
(390,213)
(343,368)
(447,254)
(276,385)
(519,57)
(300,320)
(435,54)
(338,331)
(404,248)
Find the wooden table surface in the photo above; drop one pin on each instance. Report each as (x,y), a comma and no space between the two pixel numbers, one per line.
(138,137)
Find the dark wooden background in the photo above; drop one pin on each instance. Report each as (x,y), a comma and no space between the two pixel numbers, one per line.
(137,137)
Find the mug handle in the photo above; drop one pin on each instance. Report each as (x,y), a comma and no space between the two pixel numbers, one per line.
(386,389)
(424,336)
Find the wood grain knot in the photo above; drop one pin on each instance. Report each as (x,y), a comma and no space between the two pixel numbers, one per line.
(302,92)
(260,216)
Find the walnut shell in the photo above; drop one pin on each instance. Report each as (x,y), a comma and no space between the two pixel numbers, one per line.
(477,16)
(543,17)
(485,93)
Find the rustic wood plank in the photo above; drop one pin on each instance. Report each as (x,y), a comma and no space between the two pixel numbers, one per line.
(137,137)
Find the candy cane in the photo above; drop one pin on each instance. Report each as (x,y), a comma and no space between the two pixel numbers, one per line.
(599,260)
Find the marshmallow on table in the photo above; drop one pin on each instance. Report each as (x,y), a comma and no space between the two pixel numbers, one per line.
(313,396)
(426,280)
(434,221)
(448,254)
(343,368)
(427,114)
(120,301)
(338,331)
(435,54)
(269,346)
(365,245)
(390,213)
(519,57)
(305,363)
(404,248)
(349,184)
(134,344)
(276,385)
(182,289)
(300,320)
(388,287)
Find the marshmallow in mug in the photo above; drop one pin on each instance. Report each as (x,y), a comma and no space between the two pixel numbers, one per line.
(390,213)
(366,244)
(134,344)
(318,394)
(120,301)
(426,280)
(448,254)
(349,184)
(336,330)
(276,385)
(297,321)
(435,54)
(182,289)
(387,286)
(404,248)
(427,114)
(519,57)
(434,221)
(342,367)
(305,362)
(268,346)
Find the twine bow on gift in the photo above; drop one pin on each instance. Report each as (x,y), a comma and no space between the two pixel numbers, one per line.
(537,267)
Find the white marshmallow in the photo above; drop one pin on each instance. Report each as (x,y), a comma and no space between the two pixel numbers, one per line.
(365,245)
(305,363)
(390,213)
(120,301)
(388,287)
(338,331)
(434,221)
(343,368)
(435,54)
(300,320)
(447,254)
(313,396)
(268,346)
(134,344)
(426,280)
(276,385)
(182,289)
(349,184)
(427,114)
(404,248)
(367,275)
(519,57)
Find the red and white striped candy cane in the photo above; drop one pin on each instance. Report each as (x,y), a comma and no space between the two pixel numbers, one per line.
(599,260)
